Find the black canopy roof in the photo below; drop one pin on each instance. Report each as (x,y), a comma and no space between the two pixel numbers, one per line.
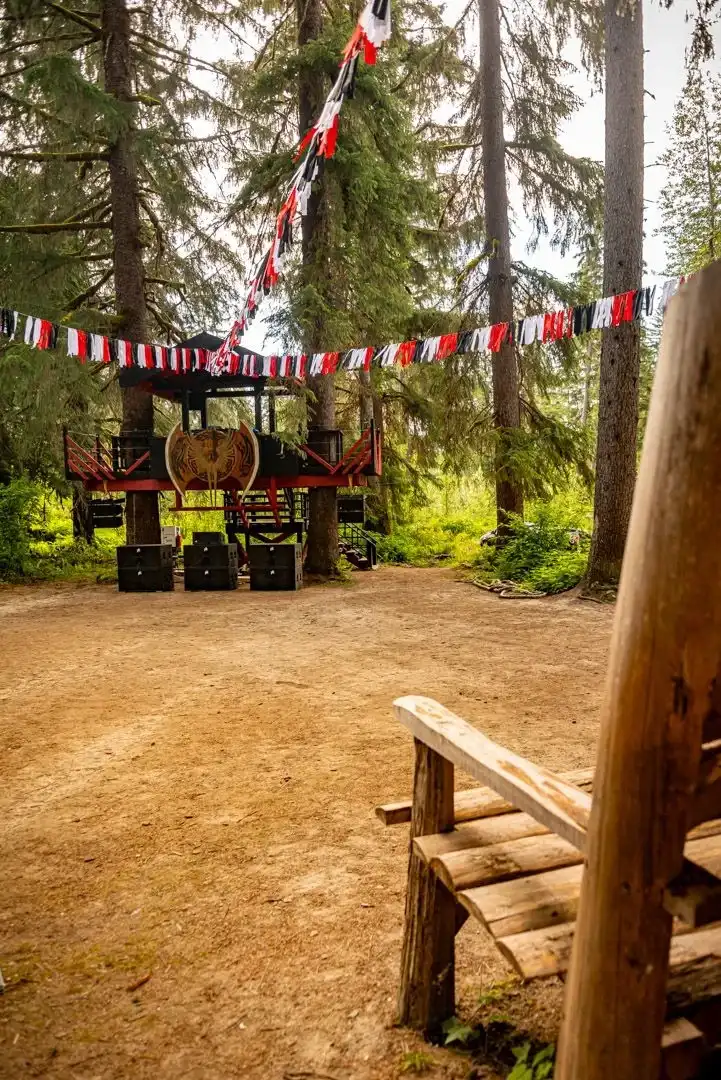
(195,385)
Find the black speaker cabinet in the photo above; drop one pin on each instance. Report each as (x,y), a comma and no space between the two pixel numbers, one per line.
(145,568)
(107,513)
(210,566)
(276,566)
(205,538)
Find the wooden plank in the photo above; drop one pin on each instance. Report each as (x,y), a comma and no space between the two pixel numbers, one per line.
(528,903)
(665,654)
(538,954)
(501,830)
(427,984)
(474,802)
(478,834)
(546,951)
(712,719)
(682,1050)
(707,800)
(501,862)
(695,895)
(542,899)
(541,793)
(694,970)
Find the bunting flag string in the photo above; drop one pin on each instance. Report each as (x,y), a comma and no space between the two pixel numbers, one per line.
(315,148)
(551,326)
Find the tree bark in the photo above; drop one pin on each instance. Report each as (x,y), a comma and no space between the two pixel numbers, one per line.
(661,693)
(622,269)
(371,408)
(142,515)
(506,404)
(83,528)
(322,550)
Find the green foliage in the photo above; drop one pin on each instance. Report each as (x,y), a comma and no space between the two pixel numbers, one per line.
(690,201)
(538,558)
(18,502)
(416,1062)
(533,1066)
(457,1032)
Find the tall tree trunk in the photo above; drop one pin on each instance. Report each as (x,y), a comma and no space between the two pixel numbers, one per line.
(622,269)
(142,516)
(83,528)
(506,405)
(371,408)
(322,552)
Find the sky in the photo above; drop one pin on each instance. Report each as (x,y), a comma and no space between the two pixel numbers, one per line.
(666,36)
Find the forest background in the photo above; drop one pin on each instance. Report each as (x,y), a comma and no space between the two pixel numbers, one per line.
(403,243)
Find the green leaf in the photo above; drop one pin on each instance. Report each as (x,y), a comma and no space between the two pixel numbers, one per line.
(458,1032)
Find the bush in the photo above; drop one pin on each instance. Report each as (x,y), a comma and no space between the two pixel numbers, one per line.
(540,558)
(18,502)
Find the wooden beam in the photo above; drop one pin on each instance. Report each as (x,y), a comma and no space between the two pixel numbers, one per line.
(502,862)
(546,951)
(548,798)
(427,986)
(695,895)
(478,834)
(475,803)
(529,903)
(665,654)
(707,800)
(682,1050)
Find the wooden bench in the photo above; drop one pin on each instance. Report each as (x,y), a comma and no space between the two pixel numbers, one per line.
(510,855)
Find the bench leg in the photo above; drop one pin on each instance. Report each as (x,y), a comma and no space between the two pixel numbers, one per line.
(427,989)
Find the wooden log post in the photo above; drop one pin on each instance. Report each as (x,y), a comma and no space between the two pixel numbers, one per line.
(427,990)
(664,659)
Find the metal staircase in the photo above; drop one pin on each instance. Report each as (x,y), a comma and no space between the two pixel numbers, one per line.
(358,547)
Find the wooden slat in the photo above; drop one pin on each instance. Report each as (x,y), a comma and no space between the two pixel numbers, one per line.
(707,800)
(544,795)
(695,896)
(694,970)
(542,899)
(528,903)
(682,1050)
(502,862)
(546,951)
(474,803)
(478,834)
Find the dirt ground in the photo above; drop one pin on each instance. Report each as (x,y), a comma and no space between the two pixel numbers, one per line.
(187,784)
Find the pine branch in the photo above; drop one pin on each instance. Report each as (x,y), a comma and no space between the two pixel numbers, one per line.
(188,57)
(104,204)
(30,42)
(171,330)
(51,155)
(68,226)
(89,293)
(74,16)
(155,222)
(52,118)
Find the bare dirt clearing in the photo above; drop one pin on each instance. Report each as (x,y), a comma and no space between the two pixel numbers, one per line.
(187,785)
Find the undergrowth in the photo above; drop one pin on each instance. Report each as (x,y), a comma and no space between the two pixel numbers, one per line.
(545,553)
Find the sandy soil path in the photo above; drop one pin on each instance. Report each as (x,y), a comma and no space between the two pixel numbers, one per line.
(187,784)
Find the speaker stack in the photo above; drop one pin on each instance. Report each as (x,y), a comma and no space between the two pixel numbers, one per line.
(145,568)
(275,566)
(210,565)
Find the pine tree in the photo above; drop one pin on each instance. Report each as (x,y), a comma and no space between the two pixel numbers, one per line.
(375,253)
(107,214)
(622,269)
(690,202)
(522,86)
